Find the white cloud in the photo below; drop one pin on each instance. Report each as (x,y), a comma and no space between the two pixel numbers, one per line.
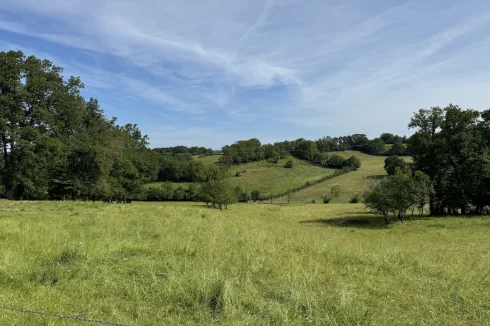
(354,66)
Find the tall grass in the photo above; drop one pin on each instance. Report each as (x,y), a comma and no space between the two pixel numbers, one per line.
(183,264)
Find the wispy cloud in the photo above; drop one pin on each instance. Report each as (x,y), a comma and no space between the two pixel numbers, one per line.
(324,67)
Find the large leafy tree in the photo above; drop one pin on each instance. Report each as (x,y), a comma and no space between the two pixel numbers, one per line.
(56,145)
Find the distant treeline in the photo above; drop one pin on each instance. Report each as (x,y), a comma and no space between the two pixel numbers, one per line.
(194,150)
(245,151)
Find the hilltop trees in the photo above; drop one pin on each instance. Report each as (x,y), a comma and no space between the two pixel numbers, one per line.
(56,145)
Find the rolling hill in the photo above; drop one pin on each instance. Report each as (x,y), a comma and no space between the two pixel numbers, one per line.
(352,183)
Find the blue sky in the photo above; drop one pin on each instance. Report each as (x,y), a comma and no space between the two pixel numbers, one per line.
(212,72)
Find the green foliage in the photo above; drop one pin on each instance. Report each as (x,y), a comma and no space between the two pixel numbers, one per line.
(394,162)
(335,161)
(397,193)
(255,195)
(355,199)
(398,149)
(375,147)
(452,147)
(352,163)
(56,145)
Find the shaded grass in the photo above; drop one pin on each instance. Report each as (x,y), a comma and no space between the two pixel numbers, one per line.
(174,184)
(183,264)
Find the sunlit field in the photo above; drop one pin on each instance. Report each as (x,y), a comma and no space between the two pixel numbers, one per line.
(253,264)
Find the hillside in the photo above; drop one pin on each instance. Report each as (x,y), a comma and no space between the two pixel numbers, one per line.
(207,160)
(271,178)
(350,184)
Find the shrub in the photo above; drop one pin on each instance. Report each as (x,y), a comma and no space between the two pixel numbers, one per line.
(335,162)
(243,197)
(289,164)
(255,195)
(353,163)
(355,199)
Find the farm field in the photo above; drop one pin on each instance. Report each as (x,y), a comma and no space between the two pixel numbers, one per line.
(254,264)
(270,178)
(267,177)
(352,183)
(207,160)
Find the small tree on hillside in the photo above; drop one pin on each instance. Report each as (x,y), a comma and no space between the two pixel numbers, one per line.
(255,195)
(394,162)
(377,199)
(352,163)
(398,193)
(397,149)
(336,161)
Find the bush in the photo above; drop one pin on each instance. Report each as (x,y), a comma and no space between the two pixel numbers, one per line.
(243,197)
(335,162)
(289,164)
(355,199)
(255,195)
(353,163)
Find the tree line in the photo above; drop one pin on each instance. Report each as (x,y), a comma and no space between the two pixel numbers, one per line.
(450,171)
(245,151)
(54,144)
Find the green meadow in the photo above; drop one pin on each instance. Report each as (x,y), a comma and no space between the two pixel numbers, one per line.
(253,264)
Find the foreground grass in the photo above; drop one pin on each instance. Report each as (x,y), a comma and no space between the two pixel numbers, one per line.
(350,184)
(183,264)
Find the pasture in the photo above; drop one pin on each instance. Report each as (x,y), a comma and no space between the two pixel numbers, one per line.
(350,184)
(254,264)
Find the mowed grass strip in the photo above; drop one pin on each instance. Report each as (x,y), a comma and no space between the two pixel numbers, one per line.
(350,184)
(270,178)
(208,160)
(254,264)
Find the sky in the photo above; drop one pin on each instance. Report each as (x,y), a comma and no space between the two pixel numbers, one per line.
(209,73)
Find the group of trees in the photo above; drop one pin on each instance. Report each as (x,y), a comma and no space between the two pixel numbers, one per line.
(179,168)
(450,170)
(452,146)
(396,194)
(56,145)
(194,150)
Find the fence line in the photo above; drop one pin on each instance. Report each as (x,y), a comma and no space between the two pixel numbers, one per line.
(79,318)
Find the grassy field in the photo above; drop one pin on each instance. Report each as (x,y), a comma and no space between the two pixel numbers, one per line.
(207,160)
(352,183)
(271,178)
(267,177)
(183,264)
(174,184)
